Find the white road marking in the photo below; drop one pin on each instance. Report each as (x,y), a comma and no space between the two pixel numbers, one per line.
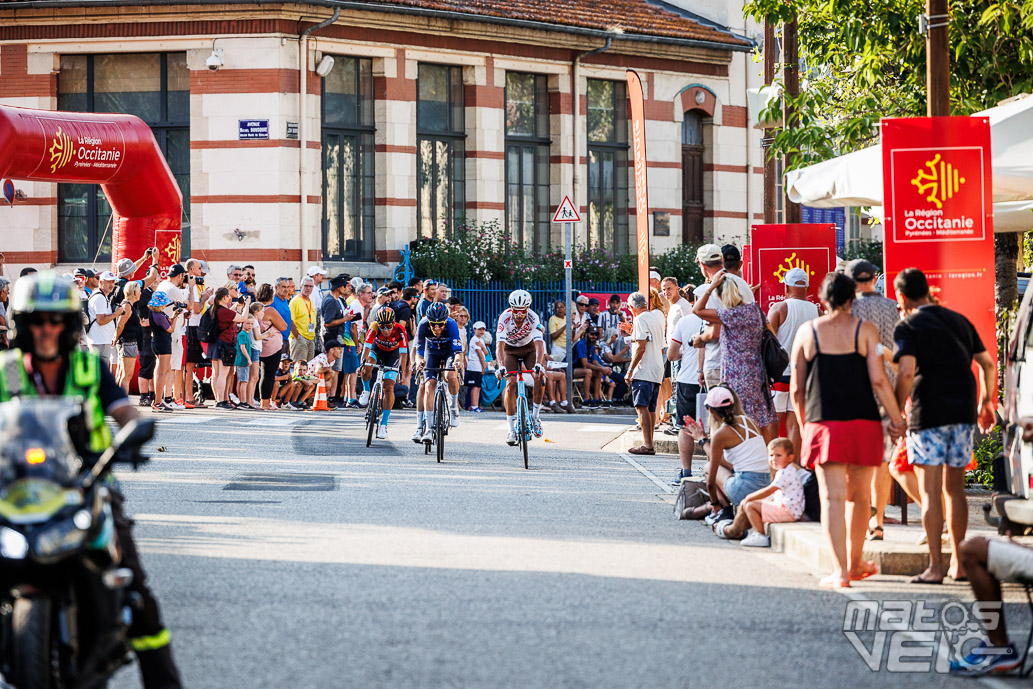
(646,472)
(603,427)
(276,421)
(184,419)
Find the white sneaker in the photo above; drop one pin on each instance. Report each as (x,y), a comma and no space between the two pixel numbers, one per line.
(511,438)
(756,540)
(382,432)
(417,437)
(428,436)
(536,426)
(453,418)
(234,399)
(364,398)
(175,405)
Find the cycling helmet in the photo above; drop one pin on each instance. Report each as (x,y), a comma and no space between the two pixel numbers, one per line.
(519,299)
(45,292)
(437,313)
(386,317)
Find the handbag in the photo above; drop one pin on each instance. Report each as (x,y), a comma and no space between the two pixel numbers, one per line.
(691,494)
(774,356)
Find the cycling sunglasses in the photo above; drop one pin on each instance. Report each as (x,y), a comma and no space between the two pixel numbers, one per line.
(437,324)
(41,318)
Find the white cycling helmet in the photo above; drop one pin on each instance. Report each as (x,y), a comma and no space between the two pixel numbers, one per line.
(520,299)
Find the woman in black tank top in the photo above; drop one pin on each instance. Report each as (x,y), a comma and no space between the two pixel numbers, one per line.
(837,373)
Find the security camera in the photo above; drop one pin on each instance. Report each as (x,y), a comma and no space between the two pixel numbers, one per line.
(325,66)
(214,62)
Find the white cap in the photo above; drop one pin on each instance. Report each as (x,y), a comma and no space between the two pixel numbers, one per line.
(708,253)
(357,282)
(204,268)
(479,325)
(653,275)
(796,277)
(108,275)
(314,271)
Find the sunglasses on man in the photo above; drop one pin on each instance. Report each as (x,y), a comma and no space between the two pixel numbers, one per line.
(41,318)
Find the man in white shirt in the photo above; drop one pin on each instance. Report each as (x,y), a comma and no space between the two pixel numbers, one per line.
(711,260)
(681,350)
(677,308)
(101,330)
(177,293)
(646,371)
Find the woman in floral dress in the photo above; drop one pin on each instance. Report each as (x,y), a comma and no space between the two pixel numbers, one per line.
(741,365)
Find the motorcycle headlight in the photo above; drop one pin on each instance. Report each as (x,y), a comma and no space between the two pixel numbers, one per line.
(62,537)
(13,544)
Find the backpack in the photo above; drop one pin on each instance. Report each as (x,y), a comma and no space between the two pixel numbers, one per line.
(772,354)
(811,497)
(206,328)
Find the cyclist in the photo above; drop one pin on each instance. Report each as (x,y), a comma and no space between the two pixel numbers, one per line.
(437,341)
(520,345)
(387,345)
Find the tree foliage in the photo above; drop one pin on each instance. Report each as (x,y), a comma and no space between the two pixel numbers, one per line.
(864,59)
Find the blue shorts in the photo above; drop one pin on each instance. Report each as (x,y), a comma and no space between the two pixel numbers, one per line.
(349,359)
(742,483)
(933,447)
(435,360)
(644,393)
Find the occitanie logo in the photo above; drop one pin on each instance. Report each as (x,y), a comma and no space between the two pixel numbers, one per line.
(61,150)
(939,183)
(789,264)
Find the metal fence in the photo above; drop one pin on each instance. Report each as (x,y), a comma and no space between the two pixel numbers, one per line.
(486,300)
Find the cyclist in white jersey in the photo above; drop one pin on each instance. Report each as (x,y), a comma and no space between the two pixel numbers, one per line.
(520,346)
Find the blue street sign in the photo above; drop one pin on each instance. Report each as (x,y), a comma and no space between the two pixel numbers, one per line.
(252,129)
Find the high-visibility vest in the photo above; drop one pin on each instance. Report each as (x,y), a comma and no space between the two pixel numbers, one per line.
(82,381)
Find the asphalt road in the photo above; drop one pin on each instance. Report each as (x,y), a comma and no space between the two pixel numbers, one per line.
(287,554)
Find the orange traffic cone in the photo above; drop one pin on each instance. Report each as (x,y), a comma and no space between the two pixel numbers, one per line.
(320,404)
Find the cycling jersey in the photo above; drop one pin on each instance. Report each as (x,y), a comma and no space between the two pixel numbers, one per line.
(395,341)
(447,342)
(519,335)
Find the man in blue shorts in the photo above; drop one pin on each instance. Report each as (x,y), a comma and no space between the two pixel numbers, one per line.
(437,341)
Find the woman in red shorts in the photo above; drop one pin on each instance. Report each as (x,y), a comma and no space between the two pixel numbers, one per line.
(837,366)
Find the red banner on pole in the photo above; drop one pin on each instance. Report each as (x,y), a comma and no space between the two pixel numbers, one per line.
(638,145)
(776,249)
(938,212)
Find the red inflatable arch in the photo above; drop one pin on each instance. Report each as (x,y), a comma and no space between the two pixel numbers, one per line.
(119,153)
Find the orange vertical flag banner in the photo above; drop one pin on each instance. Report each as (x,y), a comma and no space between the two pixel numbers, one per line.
(638,147)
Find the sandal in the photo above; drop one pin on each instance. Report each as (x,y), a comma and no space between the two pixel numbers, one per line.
(834,582)
(875,534)
(870,570)
(642,450)
(919,580)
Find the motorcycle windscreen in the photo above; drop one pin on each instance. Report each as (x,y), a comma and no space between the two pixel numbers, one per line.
(35,441)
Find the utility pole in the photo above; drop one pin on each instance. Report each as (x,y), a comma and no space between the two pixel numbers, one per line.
(791,76)
(937,58)
(770,173)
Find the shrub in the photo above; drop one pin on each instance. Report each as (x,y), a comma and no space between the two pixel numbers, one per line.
(988,448)
(868,249)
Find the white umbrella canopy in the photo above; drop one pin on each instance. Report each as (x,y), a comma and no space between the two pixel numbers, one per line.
(855,179)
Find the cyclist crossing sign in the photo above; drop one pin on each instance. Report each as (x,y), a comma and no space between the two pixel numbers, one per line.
(566,212)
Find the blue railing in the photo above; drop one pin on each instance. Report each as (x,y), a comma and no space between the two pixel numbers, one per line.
(486,300)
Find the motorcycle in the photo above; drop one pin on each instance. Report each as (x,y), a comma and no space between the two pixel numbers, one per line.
(64,606)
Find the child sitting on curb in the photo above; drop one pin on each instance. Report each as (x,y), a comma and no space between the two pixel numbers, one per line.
(781,501)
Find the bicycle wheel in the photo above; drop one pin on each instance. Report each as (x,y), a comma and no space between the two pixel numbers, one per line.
(523,427)
(372,414)
(439,426)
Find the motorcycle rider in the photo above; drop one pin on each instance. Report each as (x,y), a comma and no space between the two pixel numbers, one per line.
(46,361)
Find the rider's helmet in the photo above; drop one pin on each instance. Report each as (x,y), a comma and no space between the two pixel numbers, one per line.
(45,293)
(437,313)
(386,317)
(520,300)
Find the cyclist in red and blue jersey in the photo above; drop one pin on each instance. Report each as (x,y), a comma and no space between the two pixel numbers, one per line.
(387,345)
(437,341)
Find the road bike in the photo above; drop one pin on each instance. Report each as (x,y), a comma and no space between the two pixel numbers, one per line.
(523,423)
(376,400)
(441,417)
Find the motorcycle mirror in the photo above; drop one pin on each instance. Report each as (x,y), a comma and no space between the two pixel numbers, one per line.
(136,432)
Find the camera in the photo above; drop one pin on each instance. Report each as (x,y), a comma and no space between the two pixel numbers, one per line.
(199,280)
(214,62)
(238,300)
(179,306)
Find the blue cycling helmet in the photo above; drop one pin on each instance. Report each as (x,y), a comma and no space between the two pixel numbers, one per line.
(437,313)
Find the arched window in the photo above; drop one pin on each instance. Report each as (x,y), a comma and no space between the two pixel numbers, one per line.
(692,177)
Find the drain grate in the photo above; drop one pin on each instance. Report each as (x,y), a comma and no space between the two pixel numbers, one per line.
(282,482)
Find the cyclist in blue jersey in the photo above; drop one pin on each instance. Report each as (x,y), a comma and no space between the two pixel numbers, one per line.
(437,341)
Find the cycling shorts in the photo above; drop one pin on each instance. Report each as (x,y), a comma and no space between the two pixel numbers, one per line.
(521,358)
(385,357)
(436,360)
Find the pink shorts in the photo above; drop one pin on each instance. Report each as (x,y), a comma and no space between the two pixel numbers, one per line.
(858,442)
(772,512)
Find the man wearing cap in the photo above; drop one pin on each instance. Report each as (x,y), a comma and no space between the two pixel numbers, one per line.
(612,316)
(89,280)
(784,319)
(871,306)
(174,288)
(711,260)
(101,331)
(732,259)
(592,312)
(654,278)
(589,365)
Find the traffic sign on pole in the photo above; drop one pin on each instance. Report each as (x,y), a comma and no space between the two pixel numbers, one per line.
(566,212)
(567,264)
